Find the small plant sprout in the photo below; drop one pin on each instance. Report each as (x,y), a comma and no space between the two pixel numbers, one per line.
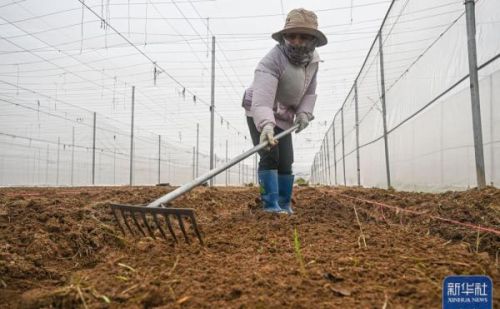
(298,253)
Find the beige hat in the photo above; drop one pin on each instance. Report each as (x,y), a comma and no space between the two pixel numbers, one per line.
(301,21)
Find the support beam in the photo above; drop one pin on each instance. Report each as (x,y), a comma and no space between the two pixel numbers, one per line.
(474,92)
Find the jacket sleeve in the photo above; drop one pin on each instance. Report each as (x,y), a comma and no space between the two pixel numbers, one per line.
(309,99)
(264,86)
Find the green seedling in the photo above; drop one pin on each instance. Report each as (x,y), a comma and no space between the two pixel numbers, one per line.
(298,252)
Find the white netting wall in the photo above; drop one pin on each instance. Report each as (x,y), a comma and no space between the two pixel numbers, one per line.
(428,102)
(46,142)
(60,63)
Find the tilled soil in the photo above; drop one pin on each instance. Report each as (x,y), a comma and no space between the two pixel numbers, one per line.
(61,248)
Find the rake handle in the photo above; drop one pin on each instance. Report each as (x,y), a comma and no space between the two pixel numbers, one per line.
(198,181)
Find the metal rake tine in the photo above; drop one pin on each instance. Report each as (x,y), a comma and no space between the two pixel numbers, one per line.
(157,222)
(145,220)
(113,210)
(169,225)
(181,225)
(195,226)
(137,223)
(126,222)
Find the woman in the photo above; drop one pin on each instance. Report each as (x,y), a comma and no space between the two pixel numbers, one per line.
(283,92)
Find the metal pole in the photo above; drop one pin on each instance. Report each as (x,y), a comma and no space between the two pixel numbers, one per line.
(197,149)
(320,162)
(334,152)
(215,166)
(358,170)
(324,163)
(72,155)
(318,166)
(159,159)
(228,173)
(328,160)
(474,92)
(93,149)
(312,171)
(194,162)
(212,110)
(316,169)
(131,181)
(58,157)
(325,158)
(343,143)
(492,148)
(384,110)
(441,142)
(226,161)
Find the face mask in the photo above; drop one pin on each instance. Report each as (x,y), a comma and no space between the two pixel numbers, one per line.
(299,55)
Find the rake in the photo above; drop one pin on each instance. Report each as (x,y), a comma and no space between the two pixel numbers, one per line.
(156,214)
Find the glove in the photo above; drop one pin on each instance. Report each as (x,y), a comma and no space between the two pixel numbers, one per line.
(267,135)
(302,120)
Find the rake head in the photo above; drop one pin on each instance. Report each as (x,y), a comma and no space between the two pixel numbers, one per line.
(152,219)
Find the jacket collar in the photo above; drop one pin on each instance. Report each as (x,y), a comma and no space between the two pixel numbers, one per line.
(316,57)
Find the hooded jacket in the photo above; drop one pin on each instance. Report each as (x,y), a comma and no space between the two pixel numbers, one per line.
(281,90)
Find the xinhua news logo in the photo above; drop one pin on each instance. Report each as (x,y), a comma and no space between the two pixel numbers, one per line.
(467,292)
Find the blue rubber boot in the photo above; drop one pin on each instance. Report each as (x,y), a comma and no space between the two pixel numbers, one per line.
(268,180)
(285,185)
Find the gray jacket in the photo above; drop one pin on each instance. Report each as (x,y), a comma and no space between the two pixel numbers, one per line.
(281,90)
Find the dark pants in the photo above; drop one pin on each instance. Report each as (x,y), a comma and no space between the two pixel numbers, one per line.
(280,157)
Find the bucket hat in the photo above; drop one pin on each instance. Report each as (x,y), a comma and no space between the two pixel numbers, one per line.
(301,21)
